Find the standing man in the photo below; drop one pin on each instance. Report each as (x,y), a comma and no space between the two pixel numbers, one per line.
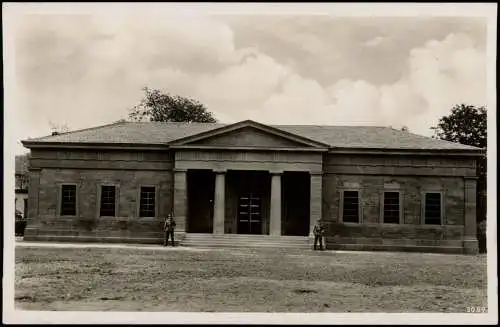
(318,232)
(169,227)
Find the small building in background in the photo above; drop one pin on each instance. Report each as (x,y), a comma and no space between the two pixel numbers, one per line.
(22,186)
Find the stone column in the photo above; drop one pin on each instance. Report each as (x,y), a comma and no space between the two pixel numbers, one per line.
(275,211)
(180,200)
(33,218)
(471,244)
(316,200)
(219,201)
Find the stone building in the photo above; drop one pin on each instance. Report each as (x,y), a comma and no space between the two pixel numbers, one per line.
(376,188)
(21,180)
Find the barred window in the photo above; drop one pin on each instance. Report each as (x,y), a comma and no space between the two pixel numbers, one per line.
(108,201)
(391,207)
(350,212)
(147,201)
(432,209)
(68,200)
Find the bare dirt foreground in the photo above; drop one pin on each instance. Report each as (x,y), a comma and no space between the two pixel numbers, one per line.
(245,280)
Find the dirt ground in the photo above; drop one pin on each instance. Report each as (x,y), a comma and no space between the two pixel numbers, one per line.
(246,280)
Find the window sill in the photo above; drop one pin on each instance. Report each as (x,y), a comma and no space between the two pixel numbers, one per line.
(148,219)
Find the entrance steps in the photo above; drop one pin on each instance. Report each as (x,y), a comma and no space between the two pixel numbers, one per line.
(245,241)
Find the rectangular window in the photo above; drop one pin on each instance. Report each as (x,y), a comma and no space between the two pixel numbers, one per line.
(350,212)
(68,200)
(432,209)
(147,201)
(391,208)
(108,201)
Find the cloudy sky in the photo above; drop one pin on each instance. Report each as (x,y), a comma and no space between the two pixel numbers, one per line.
(83,70)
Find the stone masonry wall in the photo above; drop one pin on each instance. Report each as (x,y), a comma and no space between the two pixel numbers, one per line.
(48,173)
(411,176)
(371,187)
(126,223)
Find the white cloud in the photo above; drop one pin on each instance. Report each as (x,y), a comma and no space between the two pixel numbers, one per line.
(299,100)
(375,41)
(100,72)
(244,85)
(445,73)
(439,75)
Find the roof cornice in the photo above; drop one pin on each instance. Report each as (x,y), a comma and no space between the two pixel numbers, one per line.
(163,147)
(419,152)
(93,146)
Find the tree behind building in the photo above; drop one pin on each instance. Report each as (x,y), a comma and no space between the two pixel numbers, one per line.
(467,124)
(159,106)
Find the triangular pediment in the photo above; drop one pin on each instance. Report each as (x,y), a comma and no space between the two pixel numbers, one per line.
(248,134)
(250,137)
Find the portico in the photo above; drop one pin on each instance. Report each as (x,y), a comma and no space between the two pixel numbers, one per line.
(248,164)
(247,201)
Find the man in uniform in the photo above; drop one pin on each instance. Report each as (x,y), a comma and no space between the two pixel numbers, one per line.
(169,227)
(318,232)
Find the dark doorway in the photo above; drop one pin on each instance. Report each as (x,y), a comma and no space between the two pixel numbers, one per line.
(201,188)
(296,195)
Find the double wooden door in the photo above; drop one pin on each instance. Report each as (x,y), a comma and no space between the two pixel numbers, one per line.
(250,214)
